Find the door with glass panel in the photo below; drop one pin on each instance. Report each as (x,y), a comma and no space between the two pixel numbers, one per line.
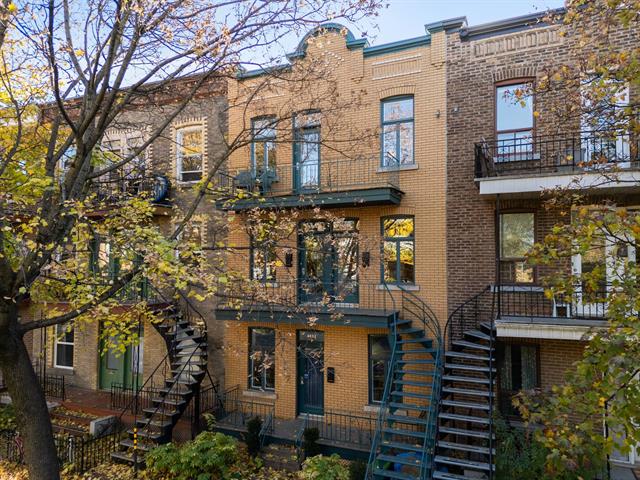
(397,132)
(599,268)
(514,122)
(310,394)
(263,152)
(306,152)
(121,366)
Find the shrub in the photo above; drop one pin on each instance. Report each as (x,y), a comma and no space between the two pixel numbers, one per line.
(357,470)
(324,468)
(252,437)
(209,456)
(7,418)
(310,438)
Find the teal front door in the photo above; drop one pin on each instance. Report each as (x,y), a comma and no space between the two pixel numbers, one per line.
(310,348)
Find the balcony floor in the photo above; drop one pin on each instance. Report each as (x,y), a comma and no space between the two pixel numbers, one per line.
(551,328)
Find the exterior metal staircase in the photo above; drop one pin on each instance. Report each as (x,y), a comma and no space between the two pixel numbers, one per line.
(465,446)
(186,339)
(404,441)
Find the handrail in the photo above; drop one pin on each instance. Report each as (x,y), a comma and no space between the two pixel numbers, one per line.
(266,428)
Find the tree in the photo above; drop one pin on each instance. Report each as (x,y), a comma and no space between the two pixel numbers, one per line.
(70,71)
(604,385)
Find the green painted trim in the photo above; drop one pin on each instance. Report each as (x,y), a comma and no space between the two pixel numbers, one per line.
(399,46)
(284,316)
(359,43)
(244,74)
(357,198)
(508,25)
(446,25)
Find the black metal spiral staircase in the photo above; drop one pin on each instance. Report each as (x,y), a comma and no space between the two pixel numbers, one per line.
(186,339)
(465,446)
(404,440)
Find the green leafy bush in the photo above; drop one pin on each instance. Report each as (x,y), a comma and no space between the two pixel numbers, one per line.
(7,418)
(210,456)
(357,470)
(324,468)
(252,437)
(310,438)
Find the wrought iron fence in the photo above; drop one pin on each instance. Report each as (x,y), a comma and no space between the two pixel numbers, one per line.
(122,398)
(118,185)
(532,301)
(77,453)
(53,385)
(320,177)
(580,151)
(345,427)
(236,412)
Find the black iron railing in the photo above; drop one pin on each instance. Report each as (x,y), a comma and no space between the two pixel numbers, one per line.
(580,151)
(235,411)
(318,177)
(345,427)
(306,296)
(117,186)
(53,386)
(78,453)
(532,301)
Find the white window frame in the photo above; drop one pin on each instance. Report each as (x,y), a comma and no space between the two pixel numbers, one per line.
(179,156)
(57,342)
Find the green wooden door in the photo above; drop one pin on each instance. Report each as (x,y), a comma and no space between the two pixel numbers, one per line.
(122,368)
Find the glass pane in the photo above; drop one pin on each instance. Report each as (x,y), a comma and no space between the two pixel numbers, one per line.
(390,145)
(380,349)
(594,265)
(378,377)
(401,109)
(192,163)
(64,334)
(514,107)
(406,143)
(113,359)
(407,268)
(263,263)
(529,361)
(389,263)
(309,156)
(264,128)
(307,119)
(516,234)
(190,142)
(515,144)
(515,271)
(64,355)
(137,357)
(258,155)
(263,339)
(270,158)
(398,227)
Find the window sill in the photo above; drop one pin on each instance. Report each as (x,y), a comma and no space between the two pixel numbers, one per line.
(371,408)
(63,370)
(260,394)
(413,166)
(409,288)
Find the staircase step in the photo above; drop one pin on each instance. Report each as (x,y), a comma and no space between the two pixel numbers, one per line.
(465,448)
(155,423)
(464,463)
(391,474)
(406,433)
(179,390)
(413,383)
(415,340)
(448,476)
(127,458)
(408,406)
(477,334)
(169,401)
(153,436)
(403,322)
(467,391)
(463,418)
(464,432)
(402,393)
(469,368)
(160,412)
(401,446)
(486,326)
(416,352)
(461,379)
(411,331)
(407,419)
(417,362)
(413,462)
(466,356)
(473,406)
(144,446)
(466,344)
(426,373)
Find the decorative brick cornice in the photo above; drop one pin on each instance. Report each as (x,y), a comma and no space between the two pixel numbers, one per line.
(507,73)
(396,90)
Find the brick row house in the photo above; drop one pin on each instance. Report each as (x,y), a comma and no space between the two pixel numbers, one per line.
(385,199)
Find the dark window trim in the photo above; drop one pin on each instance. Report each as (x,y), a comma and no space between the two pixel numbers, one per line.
(506,83)
(370,337)
(499,245)
(394,122)
(254,165)
(250,370)
(397,240)
(500,350)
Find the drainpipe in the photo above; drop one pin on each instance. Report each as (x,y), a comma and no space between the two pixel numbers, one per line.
(497,254)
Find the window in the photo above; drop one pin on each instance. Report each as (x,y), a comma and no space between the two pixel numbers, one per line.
(518,370)
(263,148)
(398,247)
(103,262)
(379,355)
(63,346)
(262,358)
(516,239)
(307,150)
(263,262)
(397,132)
(191,239)
(514,121)
(190,153)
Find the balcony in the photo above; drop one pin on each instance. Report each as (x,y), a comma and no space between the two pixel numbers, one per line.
(116,187)
(309,302)
(335,183)
(526,311)
(533,164)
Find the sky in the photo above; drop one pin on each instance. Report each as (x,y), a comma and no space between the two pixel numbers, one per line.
(406,18)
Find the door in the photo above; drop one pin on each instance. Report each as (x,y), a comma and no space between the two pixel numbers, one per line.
(608,256)
(307,160)
(310,348)
(124,368)
(328,263)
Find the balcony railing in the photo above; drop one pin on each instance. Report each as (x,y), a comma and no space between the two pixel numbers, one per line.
(321,177)
(560,153)
(532,302)
(305,296)
(117,186)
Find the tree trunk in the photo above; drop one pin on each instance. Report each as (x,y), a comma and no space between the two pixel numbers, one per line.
(32,416)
